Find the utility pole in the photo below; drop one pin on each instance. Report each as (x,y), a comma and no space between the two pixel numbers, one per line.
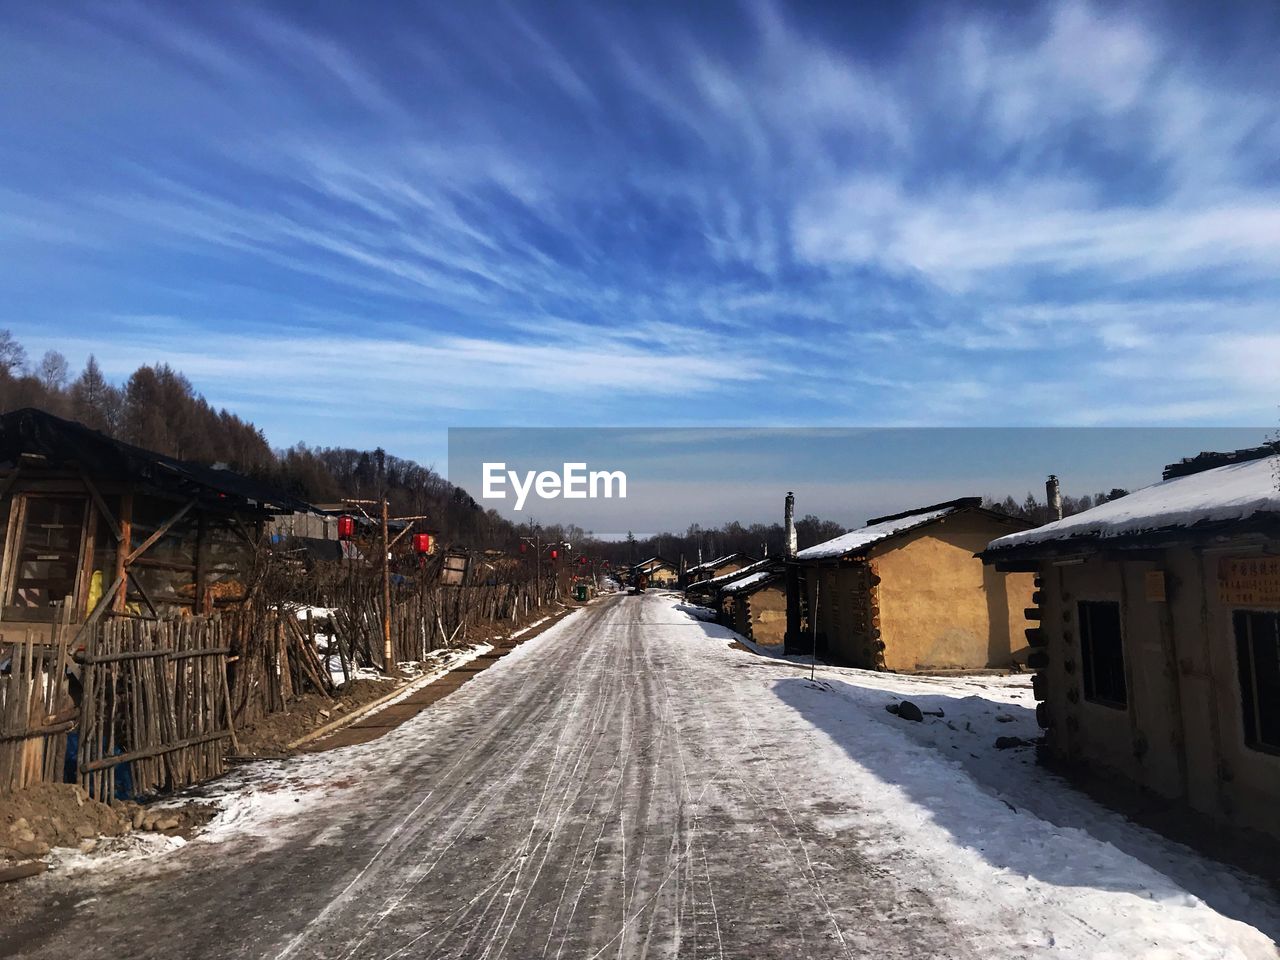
(813,663)
(387,544)
(536,541)
(386,590)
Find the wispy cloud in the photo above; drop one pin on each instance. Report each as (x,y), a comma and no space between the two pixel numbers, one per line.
(790,218)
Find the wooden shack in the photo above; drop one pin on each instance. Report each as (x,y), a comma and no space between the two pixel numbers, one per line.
(1156,635)
(907,593)
(95,527)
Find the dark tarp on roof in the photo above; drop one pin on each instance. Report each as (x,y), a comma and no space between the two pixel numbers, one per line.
(64,442)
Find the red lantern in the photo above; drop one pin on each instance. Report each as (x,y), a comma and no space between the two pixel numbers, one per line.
(524,547)
(422,543)
(555,554)
(346,527)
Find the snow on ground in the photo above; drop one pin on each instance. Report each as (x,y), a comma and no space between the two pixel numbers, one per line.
(998,840)
(261,798)
(113,852)
(1018,863)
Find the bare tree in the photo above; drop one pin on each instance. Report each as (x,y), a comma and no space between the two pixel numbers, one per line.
(13,356)
(53,371)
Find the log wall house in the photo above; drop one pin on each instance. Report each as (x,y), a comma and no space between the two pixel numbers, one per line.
(908,593)
(93,528)
(1156,633)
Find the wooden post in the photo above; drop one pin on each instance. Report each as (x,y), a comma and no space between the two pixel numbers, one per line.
(122,549)
(388,660)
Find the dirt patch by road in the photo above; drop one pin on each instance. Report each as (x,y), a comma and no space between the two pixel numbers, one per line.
(47,815)
(388,718)
(271,735)
(54,815)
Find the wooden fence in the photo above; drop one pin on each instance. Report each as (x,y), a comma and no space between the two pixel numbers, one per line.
(162,697)
(35,710)
(155,697)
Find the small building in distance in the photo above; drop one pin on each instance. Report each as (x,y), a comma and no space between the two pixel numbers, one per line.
(718,567)
(656,572)
(755,604)
(907,593)
(1156,633)
(709,592)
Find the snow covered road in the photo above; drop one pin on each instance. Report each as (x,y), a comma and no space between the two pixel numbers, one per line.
(630,785)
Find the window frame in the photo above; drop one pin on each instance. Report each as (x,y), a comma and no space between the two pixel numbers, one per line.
(1087,657)
(16,532)
(1258,745)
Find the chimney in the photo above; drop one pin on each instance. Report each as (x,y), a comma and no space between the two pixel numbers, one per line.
(1053,496)
(789,525)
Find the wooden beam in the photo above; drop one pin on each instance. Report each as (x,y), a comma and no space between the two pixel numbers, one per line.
(201,564)
(101,504)
(119,758)
(164,528)
(104,603)
(9,481)
(143,593)
(122,548)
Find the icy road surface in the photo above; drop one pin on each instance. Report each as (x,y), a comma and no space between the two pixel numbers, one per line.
(630,785)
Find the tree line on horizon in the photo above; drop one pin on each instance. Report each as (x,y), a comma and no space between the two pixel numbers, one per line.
(157,408)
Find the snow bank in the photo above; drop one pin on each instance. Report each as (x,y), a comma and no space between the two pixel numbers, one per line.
(1021,863)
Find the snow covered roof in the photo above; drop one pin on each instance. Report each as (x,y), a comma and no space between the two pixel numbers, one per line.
(1234,492)
(752,582)
(655,562)
(714,583)
(718,562)
(882,528)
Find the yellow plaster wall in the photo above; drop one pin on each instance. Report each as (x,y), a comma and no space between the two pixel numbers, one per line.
(940,607)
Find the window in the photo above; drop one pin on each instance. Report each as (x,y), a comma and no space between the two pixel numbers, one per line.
(1102,653)
(1258,658)
(47,554)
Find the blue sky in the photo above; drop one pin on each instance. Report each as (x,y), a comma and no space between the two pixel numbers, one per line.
(363,224)
(679,476)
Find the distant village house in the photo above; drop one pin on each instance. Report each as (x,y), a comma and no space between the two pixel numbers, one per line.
(657,572)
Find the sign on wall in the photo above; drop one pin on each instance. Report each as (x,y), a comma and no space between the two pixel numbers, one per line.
(1249,581)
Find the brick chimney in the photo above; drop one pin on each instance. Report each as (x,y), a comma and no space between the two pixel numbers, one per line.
(1053,496)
